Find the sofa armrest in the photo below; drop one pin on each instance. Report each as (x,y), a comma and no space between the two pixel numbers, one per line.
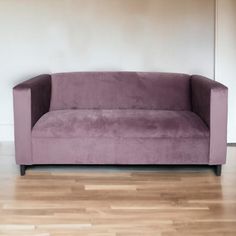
(209,101)
(31,101)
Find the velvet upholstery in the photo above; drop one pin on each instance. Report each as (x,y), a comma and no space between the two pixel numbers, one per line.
(120,118)
(209,101)
(120,124)
(120,150)
(31,101)
(120,137)
(120,90)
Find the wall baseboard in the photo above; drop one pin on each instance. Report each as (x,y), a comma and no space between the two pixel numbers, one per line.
(6,132)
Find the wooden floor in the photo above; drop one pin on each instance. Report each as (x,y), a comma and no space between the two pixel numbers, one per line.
(116,202)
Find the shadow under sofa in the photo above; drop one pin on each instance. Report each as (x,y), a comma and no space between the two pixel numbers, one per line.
(120,118)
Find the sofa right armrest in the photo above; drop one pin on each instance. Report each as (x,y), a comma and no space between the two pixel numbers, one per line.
(209,101)
(31,101)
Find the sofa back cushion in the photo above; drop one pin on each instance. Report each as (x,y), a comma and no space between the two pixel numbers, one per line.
(120,90)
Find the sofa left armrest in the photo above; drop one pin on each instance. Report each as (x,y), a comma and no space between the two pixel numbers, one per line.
(210,102)
(31,101)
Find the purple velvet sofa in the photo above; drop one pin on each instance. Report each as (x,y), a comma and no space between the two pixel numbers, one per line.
(120,118)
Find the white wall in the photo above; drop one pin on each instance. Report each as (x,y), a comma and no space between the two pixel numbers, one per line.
(73,35)
(226,57)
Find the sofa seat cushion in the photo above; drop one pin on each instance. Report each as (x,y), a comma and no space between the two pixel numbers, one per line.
(120,123)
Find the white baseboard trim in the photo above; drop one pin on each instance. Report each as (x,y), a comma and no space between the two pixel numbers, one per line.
(6,132)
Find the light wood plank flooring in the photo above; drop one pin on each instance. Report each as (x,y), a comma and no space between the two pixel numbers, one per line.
(114,201)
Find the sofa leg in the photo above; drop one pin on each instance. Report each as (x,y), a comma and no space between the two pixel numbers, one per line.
(22,170)
(218,170)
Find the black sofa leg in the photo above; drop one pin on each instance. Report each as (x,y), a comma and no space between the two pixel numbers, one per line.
(22,170)
(218,170)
